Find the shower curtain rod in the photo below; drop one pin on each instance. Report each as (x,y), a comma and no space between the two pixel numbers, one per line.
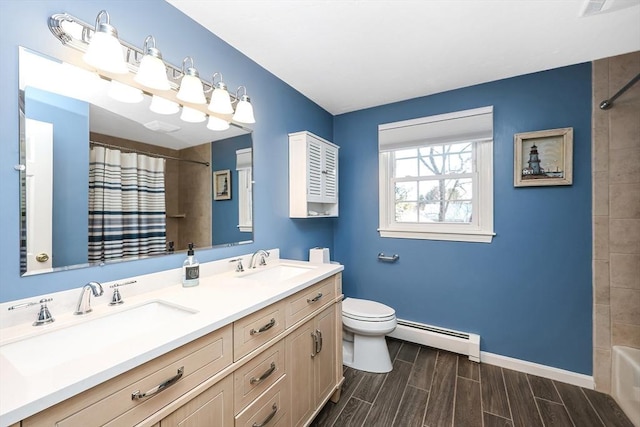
(608,103)
(102,144)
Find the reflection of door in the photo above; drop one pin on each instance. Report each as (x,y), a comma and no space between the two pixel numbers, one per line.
(39,197)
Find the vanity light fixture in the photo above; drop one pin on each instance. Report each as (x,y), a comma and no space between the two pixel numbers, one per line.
(220,99)
(162,105)
(104,51)
(124,93)
(191,86)
(217,124)
(244,109)
(183,81)
(152,72)
(191,115)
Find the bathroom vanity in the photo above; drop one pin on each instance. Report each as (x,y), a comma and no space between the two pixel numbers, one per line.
(256,348)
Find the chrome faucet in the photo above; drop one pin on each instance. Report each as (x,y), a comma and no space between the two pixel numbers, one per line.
(84,303)
(260,254)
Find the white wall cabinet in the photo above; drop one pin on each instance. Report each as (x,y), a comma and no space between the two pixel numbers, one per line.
(313,176)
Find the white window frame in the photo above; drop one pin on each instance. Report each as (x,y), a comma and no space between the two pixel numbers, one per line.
(481,227)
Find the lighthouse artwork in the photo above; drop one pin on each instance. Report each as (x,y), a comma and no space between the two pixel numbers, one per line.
(543,158)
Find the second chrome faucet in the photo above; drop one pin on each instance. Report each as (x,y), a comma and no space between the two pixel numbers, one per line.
(84,303)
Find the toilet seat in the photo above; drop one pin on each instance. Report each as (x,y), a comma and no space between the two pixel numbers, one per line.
(367,311)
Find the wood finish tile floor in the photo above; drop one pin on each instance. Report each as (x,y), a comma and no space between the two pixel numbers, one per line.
(435,388)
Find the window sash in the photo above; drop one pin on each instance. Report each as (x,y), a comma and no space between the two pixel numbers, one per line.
(480,229)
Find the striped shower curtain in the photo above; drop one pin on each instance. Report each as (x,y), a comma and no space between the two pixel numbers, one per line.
(126,205)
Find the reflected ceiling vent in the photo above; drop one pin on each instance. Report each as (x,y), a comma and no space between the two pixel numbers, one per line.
(163,127)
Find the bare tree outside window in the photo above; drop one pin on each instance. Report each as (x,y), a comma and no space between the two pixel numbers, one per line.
(437,187)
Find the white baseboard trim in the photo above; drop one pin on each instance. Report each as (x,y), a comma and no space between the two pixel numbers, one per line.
(544,371)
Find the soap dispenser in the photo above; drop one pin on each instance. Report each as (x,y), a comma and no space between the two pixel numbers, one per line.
(190,269)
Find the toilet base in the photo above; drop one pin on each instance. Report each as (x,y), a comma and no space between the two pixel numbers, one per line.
(367,353)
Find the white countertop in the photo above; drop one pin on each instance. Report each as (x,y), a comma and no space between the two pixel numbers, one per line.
(219,300)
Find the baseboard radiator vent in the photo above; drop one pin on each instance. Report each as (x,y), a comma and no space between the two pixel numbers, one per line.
(444,339)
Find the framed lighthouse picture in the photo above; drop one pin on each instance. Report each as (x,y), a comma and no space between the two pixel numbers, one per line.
(543,158)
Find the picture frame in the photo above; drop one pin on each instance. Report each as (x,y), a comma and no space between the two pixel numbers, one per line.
(543,158)
(222,185)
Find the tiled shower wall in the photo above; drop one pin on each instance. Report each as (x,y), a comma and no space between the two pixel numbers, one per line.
(616,212)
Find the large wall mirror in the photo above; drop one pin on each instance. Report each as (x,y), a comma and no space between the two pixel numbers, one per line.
(105,179)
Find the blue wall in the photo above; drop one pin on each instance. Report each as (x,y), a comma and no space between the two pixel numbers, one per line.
(225,212)
(279,110)
(70,119)
(528,293)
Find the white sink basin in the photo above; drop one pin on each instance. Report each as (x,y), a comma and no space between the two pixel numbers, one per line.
(278,272)
(42,352)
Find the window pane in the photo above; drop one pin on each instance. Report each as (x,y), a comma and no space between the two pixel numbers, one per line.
(459,189)
(406,191)
(458,163)
(430,191)
(407,212)
(446,159)
(432,150)
(402,154)
(458,212)
(431,165)
(406,167)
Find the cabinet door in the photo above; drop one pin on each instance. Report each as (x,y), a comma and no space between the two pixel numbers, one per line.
(325,360)
(315,169)
(214,407)
(330,174)
(300,349)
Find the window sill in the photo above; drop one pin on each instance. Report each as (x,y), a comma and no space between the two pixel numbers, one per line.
(466,236)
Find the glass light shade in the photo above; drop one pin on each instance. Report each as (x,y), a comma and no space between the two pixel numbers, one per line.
(124,93)
(105,53)
(192,116)
(162,105)
(216,123)
(191,90)
(244,111)
(152,73)
(220,102)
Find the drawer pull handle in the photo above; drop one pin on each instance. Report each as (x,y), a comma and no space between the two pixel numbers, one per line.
(314,299)
(319,341)
(274,409)
(264,376)
(157,389)
(266,327)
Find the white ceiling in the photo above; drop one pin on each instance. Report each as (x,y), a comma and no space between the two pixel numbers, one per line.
(351,54)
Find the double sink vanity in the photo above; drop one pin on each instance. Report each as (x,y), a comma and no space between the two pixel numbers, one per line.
(261,347)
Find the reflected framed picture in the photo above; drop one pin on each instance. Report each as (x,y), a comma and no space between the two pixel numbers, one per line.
(222,185)
(543,158)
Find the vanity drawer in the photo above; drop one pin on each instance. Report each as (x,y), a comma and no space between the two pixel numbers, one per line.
(307,301)
(258,375)
(252,331)
(112,404)
(270,409)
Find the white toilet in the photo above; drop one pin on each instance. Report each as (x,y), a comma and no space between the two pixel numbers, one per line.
(365,324)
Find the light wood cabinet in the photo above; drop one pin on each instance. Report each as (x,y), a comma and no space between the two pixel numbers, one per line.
(213,407)
(312,364)
(313,176)
(275,367)
(162,380)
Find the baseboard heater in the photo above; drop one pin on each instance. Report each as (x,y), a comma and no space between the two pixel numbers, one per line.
(445,339)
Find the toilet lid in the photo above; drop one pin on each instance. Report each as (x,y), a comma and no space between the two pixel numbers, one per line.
(365,309)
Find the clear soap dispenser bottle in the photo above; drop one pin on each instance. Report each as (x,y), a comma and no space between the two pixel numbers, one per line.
(190,269)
